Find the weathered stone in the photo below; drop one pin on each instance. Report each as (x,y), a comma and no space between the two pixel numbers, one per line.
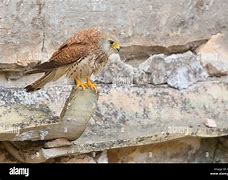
(125,116)
(103,158)
(140,77)
(57,143)
(221,154)
(26,151)
(177,70)
(214,56)
(185,70)
(45,114)
(76,159)
(5,156)
(224,141)
(116,72)
(134,54)
(21,110)
(14,71)
(155,68)
(210,123)
(183,150)
(138,22)
(132,116)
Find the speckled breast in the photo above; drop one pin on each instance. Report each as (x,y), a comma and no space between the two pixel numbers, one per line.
(85,67)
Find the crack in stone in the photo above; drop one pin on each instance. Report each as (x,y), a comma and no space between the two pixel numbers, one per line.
(214,152)
(132,52)
(40,4)
(43,42)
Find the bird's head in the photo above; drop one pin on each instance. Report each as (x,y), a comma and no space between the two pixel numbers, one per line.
(110,46)
(114,45)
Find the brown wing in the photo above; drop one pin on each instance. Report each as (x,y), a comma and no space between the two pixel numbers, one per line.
(74,49)
(65,56)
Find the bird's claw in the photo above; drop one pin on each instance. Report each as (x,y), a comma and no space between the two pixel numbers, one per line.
(91,85)
(80,85)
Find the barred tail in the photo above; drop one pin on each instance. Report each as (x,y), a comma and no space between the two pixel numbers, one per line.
(40,82)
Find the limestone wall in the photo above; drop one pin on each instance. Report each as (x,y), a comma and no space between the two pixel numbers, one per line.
(170,81)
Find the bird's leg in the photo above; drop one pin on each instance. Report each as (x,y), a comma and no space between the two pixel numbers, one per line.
(91,85)
(80,84)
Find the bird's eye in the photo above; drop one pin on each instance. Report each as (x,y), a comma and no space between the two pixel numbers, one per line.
(111,42)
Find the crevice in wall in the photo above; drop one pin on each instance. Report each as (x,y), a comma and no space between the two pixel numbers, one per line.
(214,152)
(43,42)
(132,52)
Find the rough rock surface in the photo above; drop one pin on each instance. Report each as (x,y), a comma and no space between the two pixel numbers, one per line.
(103,158)
(84,158)
(21,110)
(116,72)
(135,54)
(177,70)
(185,150)
(214,56)
(46,114)
(137,22)
(5,156)
(132,116)
(131,111)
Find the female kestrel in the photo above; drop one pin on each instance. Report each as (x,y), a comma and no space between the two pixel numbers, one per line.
(82,55)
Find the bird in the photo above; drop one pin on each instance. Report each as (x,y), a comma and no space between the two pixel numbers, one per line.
(84,54)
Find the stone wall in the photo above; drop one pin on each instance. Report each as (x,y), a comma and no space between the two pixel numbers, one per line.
(39,26)
(170,81)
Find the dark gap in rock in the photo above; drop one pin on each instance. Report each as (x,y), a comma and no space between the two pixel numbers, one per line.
(138,52)
(14,71)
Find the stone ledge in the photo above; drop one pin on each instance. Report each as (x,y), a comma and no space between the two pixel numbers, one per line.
(21,111)
(132,116)
(150,115)
(54,112)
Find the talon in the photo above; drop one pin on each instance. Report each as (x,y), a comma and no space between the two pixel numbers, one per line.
(91,85)
(80,84)
(86,86)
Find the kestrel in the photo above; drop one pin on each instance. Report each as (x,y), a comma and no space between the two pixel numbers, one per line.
(82,55)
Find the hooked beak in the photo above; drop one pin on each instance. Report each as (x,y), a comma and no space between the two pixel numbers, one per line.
(116,46)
